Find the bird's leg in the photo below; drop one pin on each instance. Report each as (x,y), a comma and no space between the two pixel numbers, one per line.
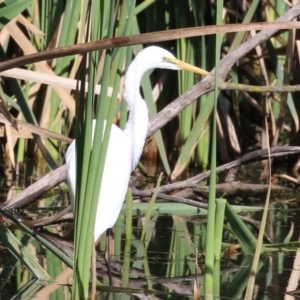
(107,257)
(94,272)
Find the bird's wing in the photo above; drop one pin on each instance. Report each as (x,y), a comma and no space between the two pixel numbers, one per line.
(115,180)
(71,172)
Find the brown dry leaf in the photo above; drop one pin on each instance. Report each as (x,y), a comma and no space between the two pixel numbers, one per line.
(10,145)
(29,26)
(196,295)
(43,67)
(62,279)
(51,79)
(30,128)
(232,251)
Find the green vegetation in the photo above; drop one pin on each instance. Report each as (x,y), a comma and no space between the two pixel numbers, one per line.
(216,123)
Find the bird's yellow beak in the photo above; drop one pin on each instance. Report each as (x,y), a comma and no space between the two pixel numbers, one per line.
(187,67)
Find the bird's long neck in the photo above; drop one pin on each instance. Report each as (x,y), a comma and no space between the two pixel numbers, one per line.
(137,125)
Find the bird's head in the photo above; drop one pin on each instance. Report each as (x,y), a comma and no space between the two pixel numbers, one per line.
(156,57)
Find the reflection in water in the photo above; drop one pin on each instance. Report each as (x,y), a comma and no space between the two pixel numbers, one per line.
(166,264)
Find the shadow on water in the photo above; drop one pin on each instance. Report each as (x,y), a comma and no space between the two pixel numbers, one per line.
(169,261)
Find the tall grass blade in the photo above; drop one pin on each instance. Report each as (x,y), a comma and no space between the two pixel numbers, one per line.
(245,237)
(129,237)
(143,244)
(240,279)
(28,114)
(220,212)
(95,158)
(63,257)
(29,290)
(86,167)
(10,241)
(209,258)
(196,133)
(203,147)
(258,249)
(247,18)
(11,9)
(150,207)
(280,80)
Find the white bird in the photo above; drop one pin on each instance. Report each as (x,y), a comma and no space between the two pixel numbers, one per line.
(125,147)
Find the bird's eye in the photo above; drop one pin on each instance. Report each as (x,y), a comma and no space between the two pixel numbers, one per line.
(164,59)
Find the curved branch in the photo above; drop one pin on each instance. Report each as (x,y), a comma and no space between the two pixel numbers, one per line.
(208,83)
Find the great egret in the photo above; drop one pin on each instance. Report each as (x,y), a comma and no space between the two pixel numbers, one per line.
(125,147)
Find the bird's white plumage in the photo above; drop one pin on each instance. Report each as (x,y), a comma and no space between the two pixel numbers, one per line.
(125,147)
(116,175)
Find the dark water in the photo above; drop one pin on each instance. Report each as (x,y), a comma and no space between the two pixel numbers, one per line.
(170,260)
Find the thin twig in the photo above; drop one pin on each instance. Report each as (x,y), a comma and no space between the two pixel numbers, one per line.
(259,89)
